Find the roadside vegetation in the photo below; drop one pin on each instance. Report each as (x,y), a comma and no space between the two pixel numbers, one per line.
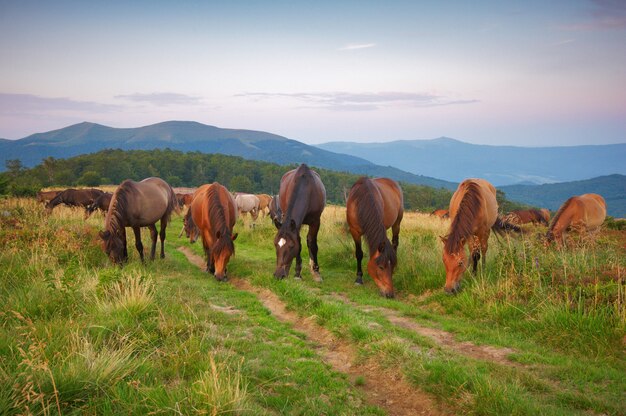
(538,331)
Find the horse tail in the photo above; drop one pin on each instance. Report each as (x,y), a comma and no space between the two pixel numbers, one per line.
(502,226)
(172,203)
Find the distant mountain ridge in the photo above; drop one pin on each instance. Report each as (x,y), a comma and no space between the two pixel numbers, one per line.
(192,136)
(453,160)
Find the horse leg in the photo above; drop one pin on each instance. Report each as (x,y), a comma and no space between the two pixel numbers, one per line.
(311,242)
(153,236)
(475,252)
(358,251)
(138,244)
(125,252)
(299,260)
(395,233)
(162,236)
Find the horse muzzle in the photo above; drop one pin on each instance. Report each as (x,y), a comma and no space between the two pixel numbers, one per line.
(281,272)
(453,290)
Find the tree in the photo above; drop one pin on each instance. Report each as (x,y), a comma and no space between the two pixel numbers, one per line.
(14,166)
(89,178)
(240,183)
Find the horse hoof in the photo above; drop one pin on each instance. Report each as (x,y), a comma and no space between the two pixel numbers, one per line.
(298,278)
(358,283)
(317,277)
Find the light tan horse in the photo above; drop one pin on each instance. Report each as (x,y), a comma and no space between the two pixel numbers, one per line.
(264,203)
(212,215)
(136,205)
(582,213)
(373,206)
(474,213)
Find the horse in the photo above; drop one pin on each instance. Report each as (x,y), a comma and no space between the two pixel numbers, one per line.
(584,213)
(184,200)
(264,202)
(102,203)
(373,206)
(527,216)
(247,203)
(212,215)
(46,196)
(276,214)
(474,213)
(441,213)
(302,200)
(136,205)
(74,198)
(545,213)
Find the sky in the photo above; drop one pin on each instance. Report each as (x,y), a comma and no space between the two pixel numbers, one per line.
(527,73)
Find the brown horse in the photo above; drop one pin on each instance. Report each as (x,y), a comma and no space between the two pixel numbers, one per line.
(74,198)
(184,200)
(441,213)
(583,213)
(212,215)
(527,216)
(264,203)
(373,206)
(136,205)
(46,196)
(102,203)
(474,213)
(276,214)
(545,213)
(302,200)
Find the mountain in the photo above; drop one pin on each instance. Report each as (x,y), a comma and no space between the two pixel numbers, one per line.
(453,160)
(551,196)
(191,136)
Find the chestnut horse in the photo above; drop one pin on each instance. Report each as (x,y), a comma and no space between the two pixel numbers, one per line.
(46,196)
(212,215)
(583,213)
(373,206)
(302,200)
(474,213)
(136,205)
(441,213)
(527,216)
(264,203)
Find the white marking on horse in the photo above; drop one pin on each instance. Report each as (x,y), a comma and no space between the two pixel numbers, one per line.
(281,242)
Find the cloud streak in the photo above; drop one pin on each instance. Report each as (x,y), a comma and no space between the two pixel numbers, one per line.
(605,15)
(347,101)
(162,99)
(356,46)
(21,104)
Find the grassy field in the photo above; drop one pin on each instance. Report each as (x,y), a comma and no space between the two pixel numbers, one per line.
(536,332)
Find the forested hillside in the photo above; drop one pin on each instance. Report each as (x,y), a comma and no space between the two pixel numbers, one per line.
(187,169)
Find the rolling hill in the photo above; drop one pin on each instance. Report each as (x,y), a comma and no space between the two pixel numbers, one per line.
(192,136)
(551,196)
(453,160)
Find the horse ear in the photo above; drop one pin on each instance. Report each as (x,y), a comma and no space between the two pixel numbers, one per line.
(292,225)
(234,237)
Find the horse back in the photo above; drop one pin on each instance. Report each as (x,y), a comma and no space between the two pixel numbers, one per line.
(316,192)
(393,200)
(488,209)
(594,210)
(152,199)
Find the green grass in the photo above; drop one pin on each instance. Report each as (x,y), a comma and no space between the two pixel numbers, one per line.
(82,336)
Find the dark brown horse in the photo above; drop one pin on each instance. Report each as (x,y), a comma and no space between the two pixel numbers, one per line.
(136,205)
(373,206)
(583,213)
(102,203)
(302,200)
(527,216)
(474,213)
(212,215)
(74,198)
(275,212)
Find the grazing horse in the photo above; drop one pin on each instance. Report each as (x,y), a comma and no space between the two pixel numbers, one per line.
(583,213)
(247,203)
(302,200)
(46,196)
(74,198)
(136,205)
(276,214)
(474,213)
(527,216)
(545,213)
(184,200)
(102,203)
(264,203)
(373,206)
(441,213)
(212,215)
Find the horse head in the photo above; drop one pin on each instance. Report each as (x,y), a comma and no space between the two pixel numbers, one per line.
(191,229)
(455,263)
(222,252)
(113,246)
(381,266)
(287,247)
(90,209)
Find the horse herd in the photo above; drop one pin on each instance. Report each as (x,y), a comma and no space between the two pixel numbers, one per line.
(372,207)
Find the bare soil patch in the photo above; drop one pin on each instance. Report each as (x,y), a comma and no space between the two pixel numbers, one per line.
(383,388)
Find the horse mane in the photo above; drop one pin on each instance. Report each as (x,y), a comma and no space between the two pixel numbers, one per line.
(217,217)
(119,205)
(558,214)
(462,225)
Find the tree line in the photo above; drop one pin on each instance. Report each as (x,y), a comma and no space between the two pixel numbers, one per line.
(191,169)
